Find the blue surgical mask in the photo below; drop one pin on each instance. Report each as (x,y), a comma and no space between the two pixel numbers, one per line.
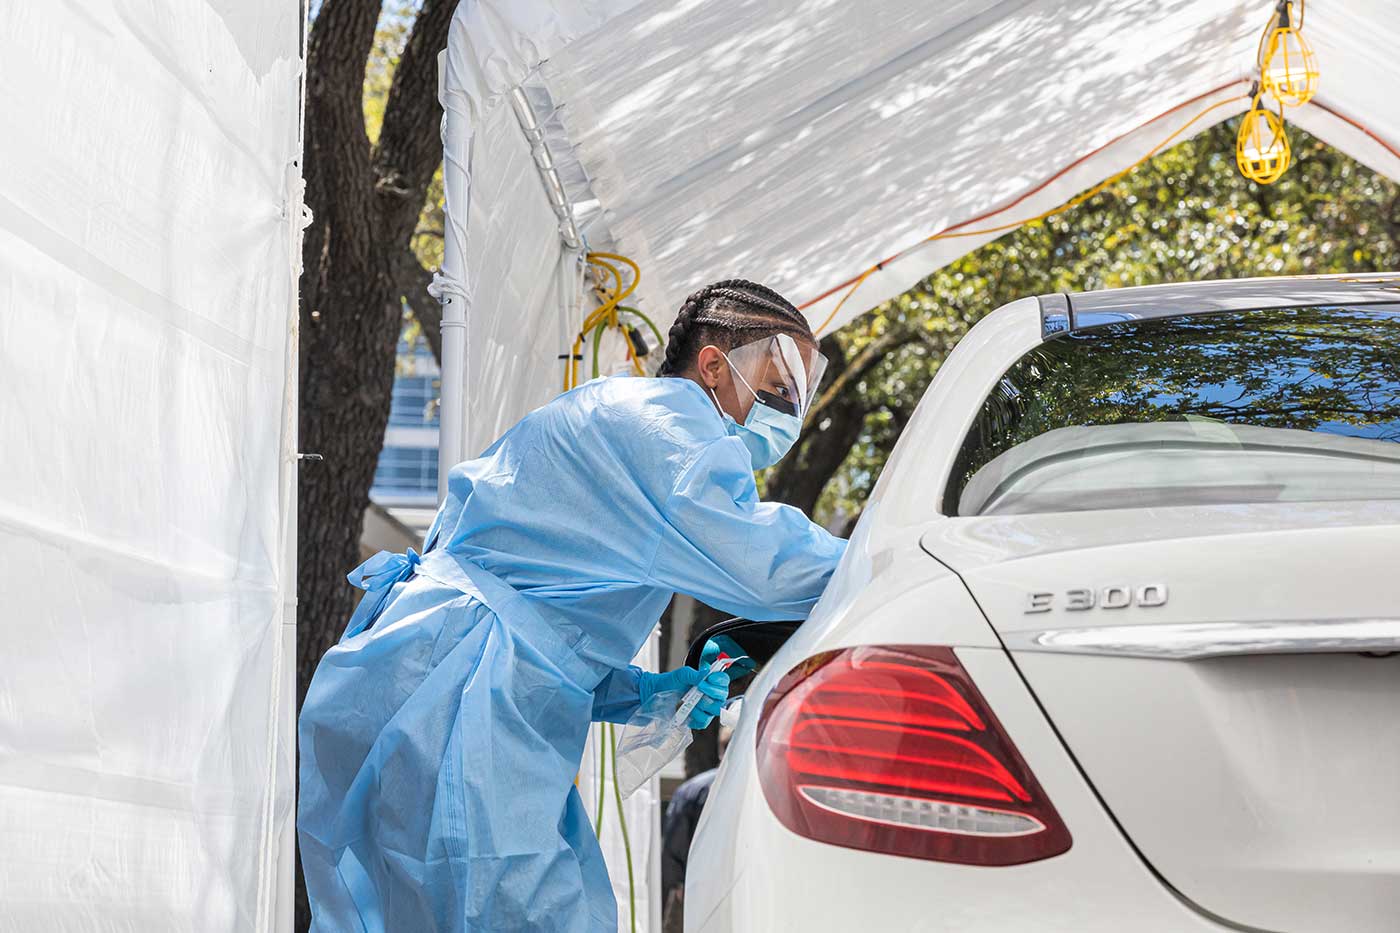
(767,433)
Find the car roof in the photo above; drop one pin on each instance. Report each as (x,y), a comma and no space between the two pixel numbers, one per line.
(1063,313)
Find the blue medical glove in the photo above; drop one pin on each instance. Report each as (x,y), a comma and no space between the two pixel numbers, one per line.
(723,644)
(714,687)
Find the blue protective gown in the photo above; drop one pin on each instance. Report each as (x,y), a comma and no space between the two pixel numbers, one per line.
(441,737)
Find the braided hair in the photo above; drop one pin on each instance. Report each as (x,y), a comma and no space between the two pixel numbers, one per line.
(729,314)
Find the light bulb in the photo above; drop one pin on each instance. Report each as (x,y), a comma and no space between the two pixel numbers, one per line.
(1261,147)
(1290,66)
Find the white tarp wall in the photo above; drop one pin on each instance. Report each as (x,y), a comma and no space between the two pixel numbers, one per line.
(632,843)
(508,259)
(149,223)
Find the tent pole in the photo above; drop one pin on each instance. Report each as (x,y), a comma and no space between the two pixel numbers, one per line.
(453,416)
(450,284)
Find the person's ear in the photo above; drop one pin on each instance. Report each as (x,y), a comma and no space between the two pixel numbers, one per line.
(710,365)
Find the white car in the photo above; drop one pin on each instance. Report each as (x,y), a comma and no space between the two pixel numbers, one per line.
(1115,646)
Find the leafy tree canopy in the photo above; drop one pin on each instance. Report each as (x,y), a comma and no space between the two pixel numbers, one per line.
(1185,215)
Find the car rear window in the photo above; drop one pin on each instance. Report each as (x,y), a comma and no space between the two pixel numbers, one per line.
(1294,404)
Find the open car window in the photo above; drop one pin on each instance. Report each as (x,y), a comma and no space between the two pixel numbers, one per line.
(1296,404)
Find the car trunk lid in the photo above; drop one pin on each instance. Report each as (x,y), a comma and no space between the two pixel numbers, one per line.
(1225,676)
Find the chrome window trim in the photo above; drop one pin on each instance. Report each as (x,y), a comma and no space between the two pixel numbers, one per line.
(1190,641)
(1117,305)
(1054,315)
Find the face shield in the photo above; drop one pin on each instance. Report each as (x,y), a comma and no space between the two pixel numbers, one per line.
(781,373)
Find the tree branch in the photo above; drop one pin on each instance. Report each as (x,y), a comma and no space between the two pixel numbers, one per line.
(410,144)
(413,281)
(336,55)
(869,356)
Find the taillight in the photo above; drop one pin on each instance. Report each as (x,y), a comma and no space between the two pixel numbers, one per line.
(892,749)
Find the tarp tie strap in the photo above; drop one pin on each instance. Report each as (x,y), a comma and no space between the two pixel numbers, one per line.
(445,288)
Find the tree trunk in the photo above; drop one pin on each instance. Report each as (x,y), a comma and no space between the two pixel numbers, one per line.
(365,205)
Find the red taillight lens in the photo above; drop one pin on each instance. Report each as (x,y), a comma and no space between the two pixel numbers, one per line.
(892,749)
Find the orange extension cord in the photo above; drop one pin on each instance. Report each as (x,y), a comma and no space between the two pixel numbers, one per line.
(853,284)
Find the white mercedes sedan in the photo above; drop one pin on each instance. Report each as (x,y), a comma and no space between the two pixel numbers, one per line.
(1116,644)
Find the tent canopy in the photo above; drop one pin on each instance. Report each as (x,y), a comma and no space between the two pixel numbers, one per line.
(798,142)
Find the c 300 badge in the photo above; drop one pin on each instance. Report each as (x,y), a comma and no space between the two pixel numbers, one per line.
(1083,598)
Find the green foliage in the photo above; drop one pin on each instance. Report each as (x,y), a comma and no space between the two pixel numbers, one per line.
(1185,215)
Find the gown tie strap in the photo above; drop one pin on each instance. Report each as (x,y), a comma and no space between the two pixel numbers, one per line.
(377,577)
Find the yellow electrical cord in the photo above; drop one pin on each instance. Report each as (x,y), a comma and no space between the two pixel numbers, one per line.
(617,276)
(1000,228)
(602,776)
(601,328)
(606,315)
(622,824)
(655,331)
(616,257)
(603,313)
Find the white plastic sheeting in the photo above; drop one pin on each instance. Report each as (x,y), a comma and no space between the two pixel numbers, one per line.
(149,240)
(798,142)
(505,261)
(510,224)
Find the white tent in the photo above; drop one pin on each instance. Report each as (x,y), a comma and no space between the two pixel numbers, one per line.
(150,208)
(798,142)
(801,142)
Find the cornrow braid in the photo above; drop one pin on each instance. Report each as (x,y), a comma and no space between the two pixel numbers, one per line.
(728,314)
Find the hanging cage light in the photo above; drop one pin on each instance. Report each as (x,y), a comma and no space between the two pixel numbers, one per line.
(1289,67)
(1261,147)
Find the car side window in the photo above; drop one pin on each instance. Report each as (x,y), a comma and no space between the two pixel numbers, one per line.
(1293,404)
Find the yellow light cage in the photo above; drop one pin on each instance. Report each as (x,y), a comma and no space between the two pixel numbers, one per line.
(1261,147)
(1289,71)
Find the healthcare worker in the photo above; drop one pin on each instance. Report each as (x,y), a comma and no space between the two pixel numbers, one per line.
(440,739)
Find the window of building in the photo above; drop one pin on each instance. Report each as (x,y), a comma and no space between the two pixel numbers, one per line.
(406,472)
(415,402)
